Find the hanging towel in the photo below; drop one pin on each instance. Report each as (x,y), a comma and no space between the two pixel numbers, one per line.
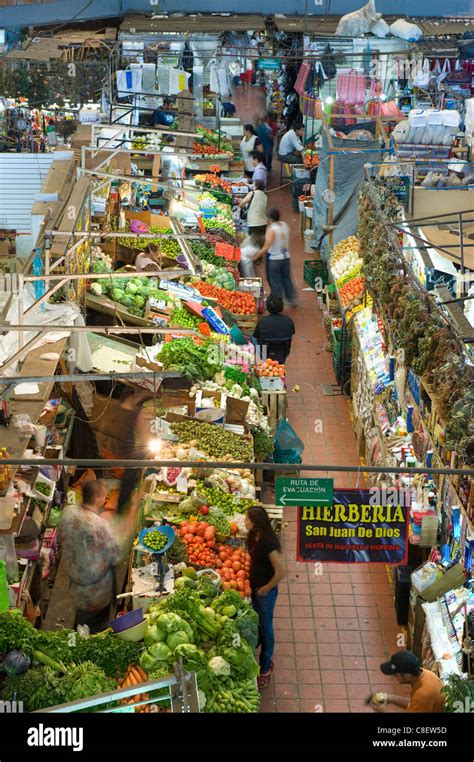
(129,81)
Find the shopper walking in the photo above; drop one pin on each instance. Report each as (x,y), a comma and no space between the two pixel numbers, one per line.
(425,686)
(266,571)
(248,145)
(277,258)
(259,168)
(92,546)
(265,135)
(291,147)
(255,204)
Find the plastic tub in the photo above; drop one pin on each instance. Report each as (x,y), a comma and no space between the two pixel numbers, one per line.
(137,226)
(133,634)
(130,619)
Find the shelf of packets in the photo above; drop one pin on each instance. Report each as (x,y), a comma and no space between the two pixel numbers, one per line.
(373,349)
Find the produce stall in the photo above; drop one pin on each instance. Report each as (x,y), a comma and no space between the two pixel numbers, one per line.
(411,381)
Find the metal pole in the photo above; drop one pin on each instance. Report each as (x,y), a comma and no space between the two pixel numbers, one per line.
(71,377)
(119,329)
(210,465)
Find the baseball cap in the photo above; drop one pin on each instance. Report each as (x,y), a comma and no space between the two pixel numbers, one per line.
(401,662)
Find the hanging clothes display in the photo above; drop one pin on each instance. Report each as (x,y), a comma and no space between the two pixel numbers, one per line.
(350,87)
(303,74)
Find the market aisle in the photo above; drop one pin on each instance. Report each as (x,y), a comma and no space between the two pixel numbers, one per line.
(332,632)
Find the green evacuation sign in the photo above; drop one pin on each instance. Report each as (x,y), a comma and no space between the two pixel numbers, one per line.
(304,491)
(269,64)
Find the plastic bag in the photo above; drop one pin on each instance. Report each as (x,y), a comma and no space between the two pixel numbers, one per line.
(358,22)
(380,28)
(288,445)
(405,31)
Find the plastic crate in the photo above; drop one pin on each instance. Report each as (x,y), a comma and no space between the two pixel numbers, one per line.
(402,592)
(337,346)
(315,268)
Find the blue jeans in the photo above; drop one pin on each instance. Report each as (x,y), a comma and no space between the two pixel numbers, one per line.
(279,278)
(264,606)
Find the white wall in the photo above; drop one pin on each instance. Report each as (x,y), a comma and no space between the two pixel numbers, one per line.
(21,178)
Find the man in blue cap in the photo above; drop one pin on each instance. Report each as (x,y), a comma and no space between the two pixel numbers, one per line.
(425,686)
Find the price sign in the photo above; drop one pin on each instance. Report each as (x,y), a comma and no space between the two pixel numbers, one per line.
(225,250)
(215,168)
(201,225)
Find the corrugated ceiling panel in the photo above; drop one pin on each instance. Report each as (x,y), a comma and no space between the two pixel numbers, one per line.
(21,178)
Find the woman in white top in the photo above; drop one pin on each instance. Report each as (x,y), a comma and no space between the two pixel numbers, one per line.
(277,258)
(256,203)
(249,143)
(149,259)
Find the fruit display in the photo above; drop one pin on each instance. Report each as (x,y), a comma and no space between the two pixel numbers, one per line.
(182,318)
(213,181)
(310,159)
(233,566)
(200,540)
(271,369)
(214,440)
(154,540)
(201,149)
(167,246)
(349,246)
(352,292)
(226,502)
(214,138)
(238,302)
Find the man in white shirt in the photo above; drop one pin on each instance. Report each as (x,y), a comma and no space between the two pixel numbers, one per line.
(291,146)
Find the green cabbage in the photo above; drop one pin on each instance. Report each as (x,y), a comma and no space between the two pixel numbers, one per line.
(176,639)
(154,635)
(160,651)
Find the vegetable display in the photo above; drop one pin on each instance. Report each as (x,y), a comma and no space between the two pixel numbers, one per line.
(214,440)
(224,501)
(263,445)
(195,362)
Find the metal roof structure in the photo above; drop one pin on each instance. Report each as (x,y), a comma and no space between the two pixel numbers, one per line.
(181,23)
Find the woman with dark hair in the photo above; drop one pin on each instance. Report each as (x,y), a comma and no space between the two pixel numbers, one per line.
(277,258)
(266,571)
(248,144)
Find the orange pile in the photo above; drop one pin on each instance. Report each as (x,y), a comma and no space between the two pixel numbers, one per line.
(201,149)
(214,181)
(351,290)
(271,368)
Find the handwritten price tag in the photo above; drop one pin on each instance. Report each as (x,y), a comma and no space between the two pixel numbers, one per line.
(214,168)
(225,250)
(201,225)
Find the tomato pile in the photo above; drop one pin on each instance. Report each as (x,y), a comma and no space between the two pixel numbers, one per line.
(311,160)
(271,368)
(233,565)
(200,541)
(238,302)
(351,290)
(214,181)
(201,149)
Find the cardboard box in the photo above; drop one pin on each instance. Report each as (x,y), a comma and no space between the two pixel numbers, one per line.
(156,220)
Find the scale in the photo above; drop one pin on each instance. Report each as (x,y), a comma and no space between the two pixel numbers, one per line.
(159,567)
(328,196)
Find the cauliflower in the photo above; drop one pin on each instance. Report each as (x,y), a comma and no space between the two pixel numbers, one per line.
(219,666)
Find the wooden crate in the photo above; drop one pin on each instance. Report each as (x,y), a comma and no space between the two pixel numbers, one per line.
(246,323)
(275,515)
(275,404)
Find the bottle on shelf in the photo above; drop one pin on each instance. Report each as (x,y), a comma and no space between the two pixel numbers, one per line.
(7,469)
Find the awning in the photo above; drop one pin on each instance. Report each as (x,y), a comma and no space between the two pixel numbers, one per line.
(180,23)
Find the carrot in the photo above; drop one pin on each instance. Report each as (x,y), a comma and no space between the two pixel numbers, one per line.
(136,674)
(142,673)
